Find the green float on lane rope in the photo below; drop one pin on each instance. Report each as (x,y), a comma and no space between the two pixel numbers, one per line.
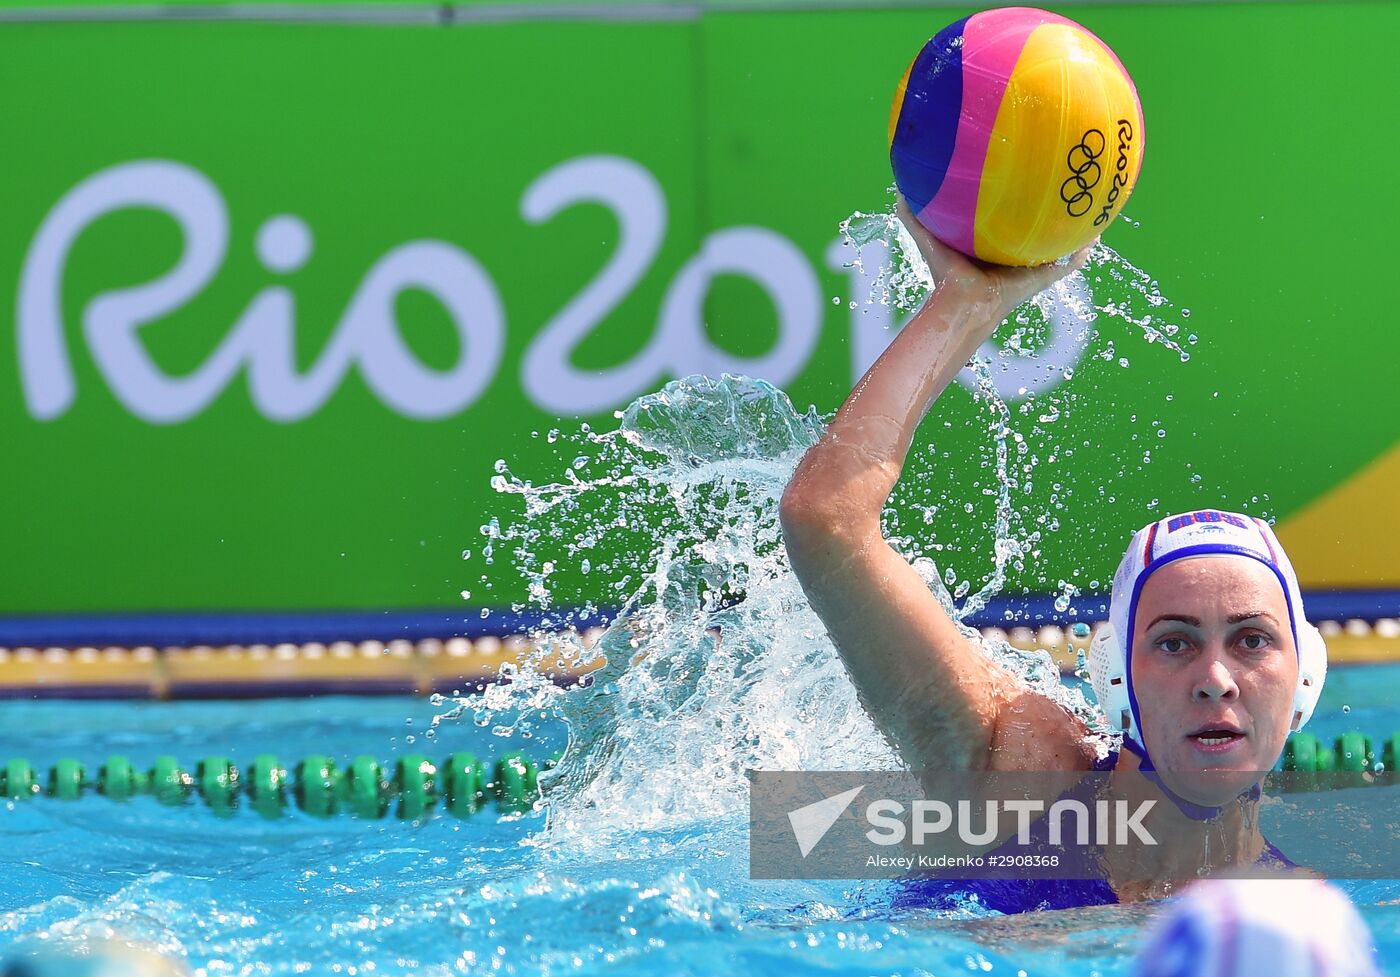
(317,785)
(461,782)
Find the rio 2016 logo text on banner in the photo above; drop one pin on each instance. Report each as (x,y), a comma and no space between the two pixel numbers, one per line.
(261,338)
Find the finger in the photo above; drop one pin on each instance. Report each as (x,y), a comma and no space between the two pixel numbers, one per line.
(934,250)
(911,220)
(1075,259)
(1081,257)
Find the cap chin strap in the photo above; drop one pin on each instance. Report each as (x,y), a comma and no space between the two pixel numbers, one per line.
(1196,812)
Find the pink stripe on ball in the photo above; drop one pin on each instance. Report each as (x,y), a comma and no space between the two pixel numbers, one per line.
(992,42)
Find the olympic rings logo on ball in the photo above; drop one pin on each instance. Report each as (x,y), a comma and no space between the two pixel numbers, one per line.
(1084,173)
(1120,177)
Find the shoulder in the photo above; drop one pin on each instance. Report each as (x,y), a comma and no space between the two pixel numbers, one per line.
(1035,733)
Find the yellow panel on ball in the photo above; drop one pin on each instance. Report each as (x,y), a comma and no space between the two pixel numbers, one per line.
(1065,150)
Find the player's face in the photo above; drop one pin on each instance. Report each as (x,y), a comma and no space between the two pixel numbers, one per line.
(1214,670)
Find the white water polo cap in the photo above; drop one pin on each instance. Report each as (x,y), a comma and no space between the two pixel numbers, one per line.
(1209,532)
(1260,927)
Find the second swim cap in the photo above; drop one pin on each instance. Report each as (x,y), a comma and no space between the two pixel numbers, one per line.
(1208,532)
(1260,928)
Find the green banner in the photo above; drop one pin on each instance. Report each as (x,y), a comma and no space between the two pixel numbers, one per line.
(283,293)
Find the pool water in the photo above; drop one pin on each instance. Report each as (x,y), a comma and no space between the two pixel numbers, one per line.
(641,865)
(242,895)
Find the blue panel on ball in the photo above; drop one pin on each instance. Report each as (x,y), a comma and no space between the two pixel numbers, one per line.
(928,119)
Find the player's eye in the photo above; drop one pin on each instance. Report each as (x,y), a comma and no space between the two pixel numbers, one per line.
(1255,641)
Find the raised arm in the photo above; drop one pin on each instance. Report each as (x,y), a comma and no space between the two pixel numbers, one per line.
(933,694)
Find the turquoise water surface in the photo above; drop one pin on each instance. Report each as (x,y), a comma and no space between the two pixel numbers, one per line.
(242,895)
(715,665)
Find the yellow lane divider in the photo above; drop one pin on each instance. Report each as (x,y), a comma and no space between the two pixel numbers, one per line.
(432,665)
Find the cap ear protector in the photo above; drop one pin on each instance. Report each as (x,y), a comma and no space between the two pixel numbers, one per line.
(1108,674)
(1312,672)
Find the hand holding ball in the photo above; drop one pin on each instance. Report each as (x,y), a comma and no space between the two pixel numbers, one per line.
(1016,136)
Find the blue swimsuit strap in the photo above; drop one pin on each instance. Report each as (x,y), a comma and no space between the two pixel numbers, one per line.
(1107,763)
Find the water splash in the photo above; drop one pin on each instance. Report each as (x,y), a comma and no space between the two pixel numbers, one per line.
(1030,428)
(1132,296)
(715,663)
